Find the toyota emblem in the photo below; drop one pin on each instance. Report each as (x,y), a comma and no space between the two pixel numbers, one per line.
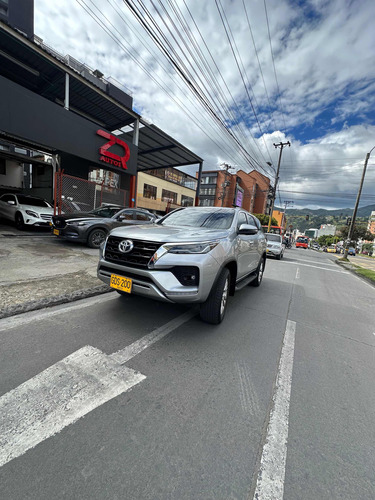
(125,246)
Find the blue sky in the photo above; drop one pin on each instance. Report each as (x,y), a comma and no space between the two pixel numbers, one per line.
(304,71)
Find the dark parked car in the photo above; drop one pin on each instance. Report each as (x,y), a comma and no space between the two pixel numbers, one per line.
(92,228)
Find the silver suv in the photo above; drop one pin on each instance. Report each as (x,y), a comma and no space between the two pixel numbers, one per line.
(192,255)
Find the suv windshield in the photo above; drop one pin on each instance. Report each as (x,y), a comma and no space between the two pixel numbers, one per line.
(29,200)
(210,219)
(302,240)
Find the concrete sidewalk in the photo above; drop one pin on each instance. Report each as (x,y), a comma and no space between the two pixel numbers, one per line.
(37,270)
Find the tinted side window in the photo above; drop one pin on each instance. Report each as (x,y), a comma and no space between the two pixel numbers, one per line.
(128,215)
(7,197)
(242,219)
(142,216)
(257,223)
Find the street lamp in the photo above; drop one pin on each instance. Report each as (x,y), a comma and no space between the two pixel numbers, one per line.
(351,229)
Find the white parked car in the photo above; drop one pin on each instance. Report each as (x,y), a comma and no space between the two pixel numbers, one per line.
(25,210)
(275,245)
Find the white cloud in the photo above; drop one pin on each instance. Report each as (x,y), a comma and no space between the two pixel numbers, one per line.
(323,56)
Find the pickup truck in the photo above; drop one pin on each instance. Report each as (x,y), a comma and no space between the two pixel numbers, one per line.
(194,255)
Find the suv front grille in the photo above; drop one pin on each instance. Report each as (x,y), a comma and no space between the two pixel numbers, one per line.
(139,257)
(59,222)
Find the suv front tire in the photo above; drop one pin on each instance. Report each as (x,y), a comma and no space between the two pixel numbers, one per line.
(213,310)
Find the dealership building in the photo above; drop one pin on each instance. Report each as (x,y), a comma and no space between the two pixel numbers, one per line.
(68,134)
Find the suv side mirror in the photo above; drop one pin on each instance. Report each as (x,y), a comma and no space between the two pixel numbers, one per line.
(247,229)
(11,202)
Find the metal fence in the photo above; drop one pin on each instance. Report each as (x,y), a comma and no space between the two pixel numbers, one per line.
(73,194)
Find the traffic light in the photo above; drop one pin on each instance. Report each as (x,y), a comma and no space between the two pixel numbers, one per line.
(307,217)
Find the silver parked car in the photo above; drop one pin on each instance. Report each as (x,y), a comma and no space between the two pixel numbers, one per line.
(192,255)
(275,245)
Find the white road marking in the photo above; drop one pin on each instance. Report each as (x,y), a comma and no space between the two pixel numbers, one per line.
(22,319)
(271,475)
(140,345)
(316,267)
(68,390)
(312,261)
(297,274)
(59,396)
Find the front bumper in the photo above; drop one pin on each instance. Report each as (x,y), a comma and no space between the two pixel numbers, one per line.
(274,252)
(28,220)
(70,233)
(160,283)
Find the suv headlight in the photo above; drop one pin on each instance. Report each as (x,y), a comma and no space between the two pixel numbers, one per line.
(76,223)
(32,214)
(203,247)
(183,248)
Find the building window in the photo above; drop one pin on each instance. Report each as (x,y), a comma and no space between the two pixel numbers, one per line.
(187,201)
(149,191)
(206,203)
(20,151)
(3,170)
(169,195)
(208,191)
(209,179)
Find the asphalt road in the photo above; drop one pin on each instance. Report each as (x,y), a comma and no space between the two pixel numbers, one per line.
(124,398)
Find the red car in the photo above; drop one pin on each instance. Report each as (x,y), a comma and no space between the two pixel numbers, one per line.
(302,242)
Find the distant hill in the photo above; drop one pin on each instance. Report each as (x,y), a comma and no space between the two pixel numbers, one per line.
(345,212)
(296,218)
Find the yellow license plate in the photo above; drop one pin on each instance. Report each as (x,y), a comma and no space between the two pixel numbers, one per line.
(121,283)
(56,231)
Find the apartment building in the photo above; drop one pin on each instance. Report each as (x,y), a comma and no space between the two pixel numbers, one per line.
(371,223)
(162,190)
(247,190)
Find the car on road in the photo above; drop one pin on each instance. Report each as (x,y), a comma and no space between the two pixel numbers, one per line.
(275,245)
(25,210)
(331,249)
(302,242)
(351,251)
(193,255)
(92,228)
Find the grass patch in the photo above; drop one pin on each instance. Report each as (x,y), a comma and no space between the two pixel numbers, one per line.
(366,273)
(342,259)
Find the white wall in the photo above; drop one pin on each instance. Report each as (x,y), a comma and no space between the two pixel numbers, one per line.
(13,177)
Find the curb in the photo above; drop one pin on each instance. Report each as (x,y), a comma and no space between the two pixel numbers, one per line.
(54,301)
(351,268)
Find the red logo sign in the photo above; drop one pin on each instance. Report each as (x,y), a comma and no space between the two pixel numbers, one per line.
(107,156)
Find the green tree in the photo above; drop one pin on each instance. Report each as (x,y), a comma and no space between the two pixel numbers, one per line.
(263,219)
(359,232)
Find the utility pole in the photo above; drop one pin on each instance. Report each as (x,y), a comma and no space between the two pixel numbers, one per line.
(225,184)
(286,204)
(281,145)
(352,223)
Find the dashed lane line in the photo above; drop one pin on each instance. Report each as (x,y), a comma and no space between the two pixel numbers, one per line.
(271,474)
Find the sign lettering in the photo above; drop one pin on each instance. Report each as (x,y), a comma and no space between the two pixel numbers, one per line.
(112,158)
